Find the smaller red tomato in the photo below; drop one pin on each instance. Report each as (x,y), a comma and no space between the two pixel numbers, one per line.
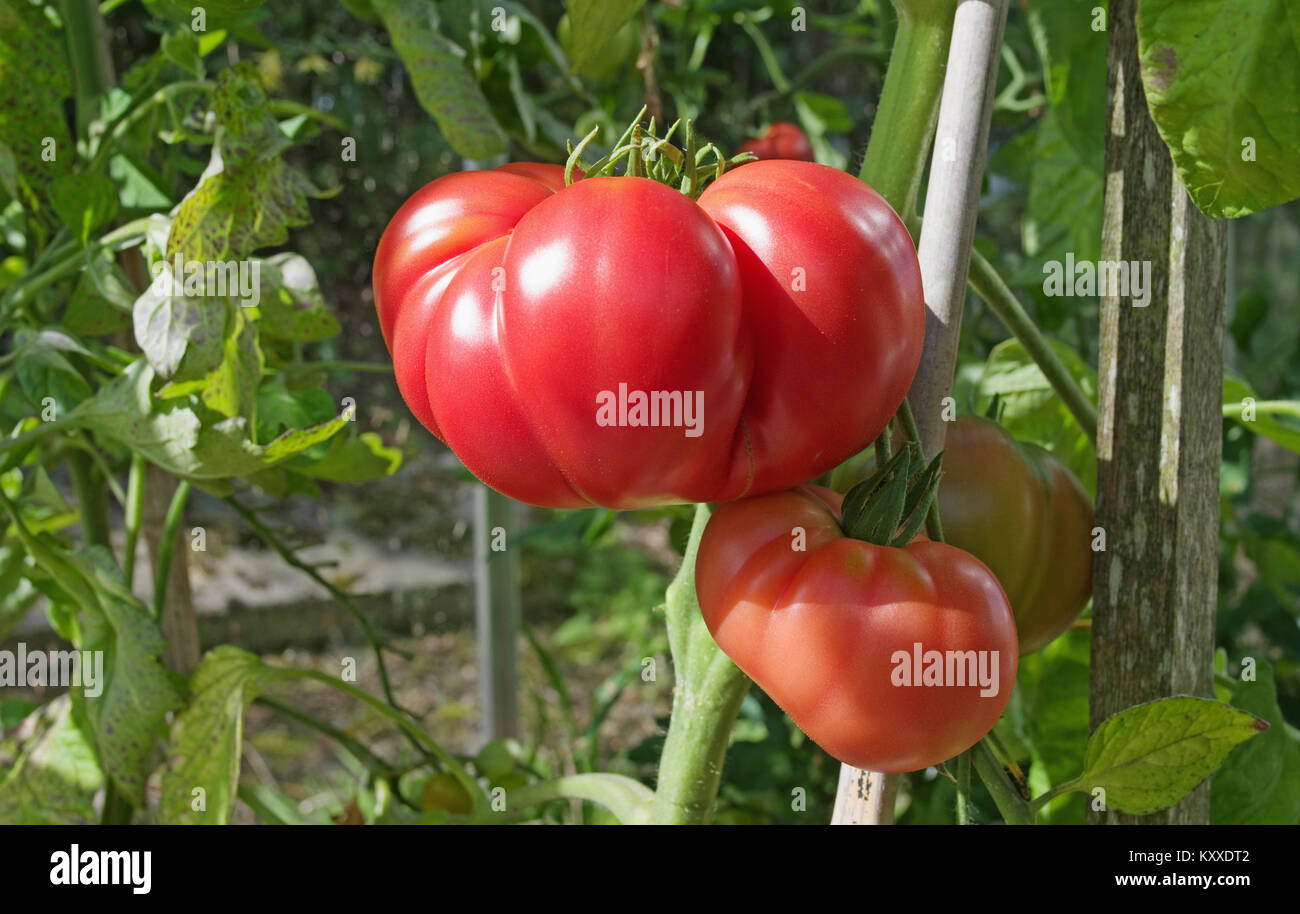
(782,141)
(890,659)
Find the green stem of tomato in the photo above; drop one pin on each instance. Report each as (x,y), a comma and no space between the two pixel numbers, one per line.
(988,285)
(1013,808)
(707,697)
(909,103)
(963,788)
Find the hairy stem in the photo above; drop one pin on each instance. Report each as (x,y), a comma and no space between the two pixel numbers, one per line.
(706,699)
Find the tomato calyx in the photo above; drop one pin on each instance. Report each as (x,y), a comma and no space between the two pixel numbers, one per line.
(889,508)
(687,169)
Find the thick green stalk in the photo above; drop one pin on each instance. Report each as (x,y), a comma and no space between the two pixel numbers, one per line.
(707,697)
(909,103)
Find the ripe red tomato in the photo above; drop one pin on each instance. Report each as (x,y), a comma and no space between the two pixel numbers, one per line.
(781,141)
(830,631)
(1021,512)
(774,327)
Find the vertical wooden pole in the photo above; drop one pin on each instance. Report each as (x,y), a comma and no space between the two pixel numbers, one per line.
(1159,423)
(951,207)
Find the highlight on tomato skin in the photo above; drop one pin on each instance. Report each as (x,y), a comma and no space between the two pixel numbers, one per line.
(518,309)
(890,659)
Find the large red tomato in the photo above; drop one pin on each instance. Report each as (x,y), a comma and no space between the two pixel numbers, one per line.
(890,659)
(781,141)
(616,343)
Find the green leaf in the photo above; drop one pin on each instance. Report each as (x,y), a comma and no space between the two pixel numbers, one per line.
(1049,714)
(14,711)
(44,371)
(279,408)
(1073,54)
(55,777)
(442,84)
(169,327)
(181,47)
(130,715)
(172,436)
(291,306)
(1259,783)
(123,411)
(17,595)
(83,202)
(593,24)
(102,300)
(1150,756)
(1064,205)
(34,80)
(203,753)
(247,197)
(135,692)
(1243,399)
(231,388)
(355,458)
(1219,76)
(1033,412)
(136,188)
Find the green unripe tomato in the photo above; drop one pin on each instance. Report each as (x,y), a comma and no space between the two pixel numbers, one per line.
(444,792)
(496,760)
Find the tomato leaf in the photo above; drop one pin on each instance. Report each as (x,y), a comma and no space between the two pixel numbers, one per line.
(443,85)
(172,436)
(34,80)
(83,202)
(354,458)
(54,779)
(1048,714)
(1259,783)
(1150,756)
(248,197)
(17,595)
(135,691)
(291,305)
(170,327)
(206,737)
(593,26)
(1031,409)
(1222,81)
(102,300)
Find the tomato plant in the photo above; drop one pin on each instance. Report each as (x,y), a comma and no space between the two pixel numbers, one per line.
(616,343)
(1021,512)
(781,141)
(850,637)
